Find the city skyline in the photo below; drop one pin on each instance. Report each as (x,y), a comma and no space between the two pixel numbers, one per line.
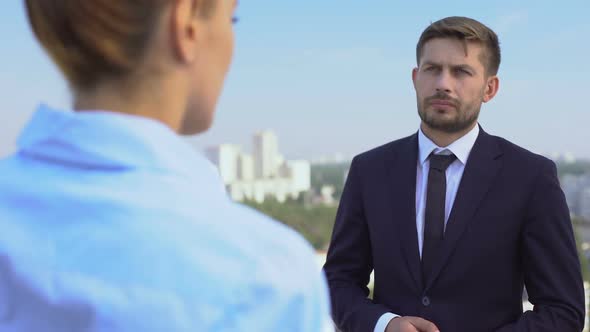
(340,157)
(262,173)
(335,77)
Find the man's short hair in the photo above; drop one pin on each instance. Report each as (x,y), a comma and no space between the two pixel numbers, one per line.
(467,30)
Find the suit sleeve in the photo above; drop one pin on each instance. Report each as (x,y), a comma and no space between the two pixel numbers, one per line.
(551,267)
(349,262)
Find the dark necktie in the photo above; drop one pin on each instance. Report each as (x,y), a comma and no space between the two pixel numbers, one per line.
(434,216)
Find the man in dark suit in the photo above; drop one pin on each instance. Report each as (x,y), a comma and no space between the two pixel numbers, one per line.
(454,221)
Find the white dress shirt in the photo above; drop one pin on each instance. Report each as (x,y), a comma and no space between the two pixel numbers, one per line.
(461,149)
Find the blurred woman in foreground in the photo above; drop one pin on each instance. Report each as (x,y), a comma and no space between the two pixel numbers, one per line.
(109,220)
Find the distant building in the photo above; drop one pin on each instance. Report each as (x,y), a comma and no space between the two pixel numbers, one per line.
(326,196)
(263,174)
(577,193)
(266,154)
(260,189)
(572,187)
(225,157)
(565,157)
(299,171)
(584,208)
(246,170)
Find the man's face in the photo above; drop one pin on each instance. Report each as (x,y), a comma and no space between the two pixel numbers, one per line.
(451,84)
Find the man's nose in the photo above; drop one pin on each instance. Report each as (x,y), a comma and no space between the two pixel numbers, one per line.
(443,82)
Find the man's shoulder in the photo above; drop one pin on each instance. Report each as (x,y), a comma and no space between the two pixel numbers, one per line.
(386,150)
(517,154)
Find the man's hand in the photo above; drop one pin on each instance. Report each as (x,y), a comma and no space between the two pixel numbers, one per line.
(410,324)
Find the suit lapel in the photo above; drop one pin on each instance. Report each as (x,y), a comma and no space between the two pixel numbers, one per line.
(402,181)
(481,169)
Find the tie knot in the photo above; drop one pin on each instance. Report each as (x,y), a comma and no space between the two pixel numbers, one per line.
(441,162)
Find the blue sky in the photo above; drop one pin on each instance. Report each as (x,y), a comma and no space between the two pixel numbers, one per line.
(334,76)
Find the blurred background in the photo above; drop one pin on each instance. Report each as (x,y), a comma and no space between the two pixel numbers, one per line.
(314,83)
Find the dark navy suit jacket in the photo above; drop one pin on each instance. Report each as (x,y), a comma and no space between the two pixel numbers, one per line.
(509,227)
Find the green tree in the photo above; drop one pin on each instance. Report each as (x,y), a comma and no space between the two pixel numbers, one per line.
(315,223)
(329,174)
(576,168)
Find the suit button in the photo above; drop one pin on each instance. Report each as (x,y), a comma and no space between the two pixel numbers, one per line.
(426,301)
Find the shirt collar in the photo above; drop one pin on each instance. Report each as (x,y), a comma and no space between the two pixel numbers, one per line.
(460,148)
(102,139)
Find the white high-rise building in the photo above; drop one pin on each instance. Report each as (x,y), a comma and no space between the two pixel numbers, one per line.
(226,158)
(266,154)
(246,167)
(300,174)
(263,174)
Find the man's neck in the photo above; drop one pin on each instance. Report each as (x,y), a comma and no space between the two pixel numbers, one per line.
(441,138)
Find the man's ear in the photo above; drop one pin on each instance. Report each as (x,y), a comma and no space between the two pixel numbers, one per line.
(414,74)
(492,86)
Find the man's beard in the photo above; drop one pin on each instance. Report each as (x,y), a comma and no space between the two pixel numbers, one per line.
(467,115)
